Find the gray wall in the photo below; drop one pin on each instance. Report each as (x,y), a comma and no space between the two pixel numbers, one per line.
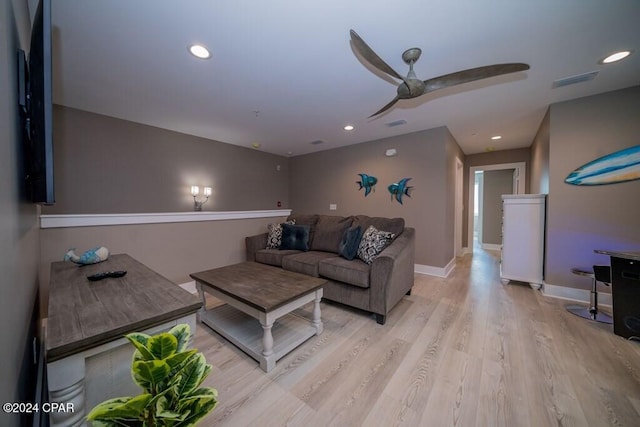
(539,173)
(428,157)
(108,165)
(19,238)
(496,183)
(581,219)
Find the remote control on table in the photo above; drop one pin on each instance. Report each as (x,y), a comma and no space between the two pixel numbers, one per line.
(105,274)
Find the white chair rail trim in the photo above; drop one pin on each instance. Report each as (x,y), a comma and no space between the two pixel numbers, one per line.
(88,220)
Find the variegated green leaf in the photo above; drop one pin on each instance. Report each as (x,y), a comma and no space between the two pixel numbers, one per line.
(205,374)
(162,345)
(120,408)
(149,373)
(204,393)
(140,341)
(192,375)
(164,412)
(198,407)
(179,360)
(182,333)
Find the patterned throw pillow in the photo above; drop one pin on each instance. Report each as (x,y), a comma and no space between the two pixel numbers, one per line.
(274,239)
(373,242)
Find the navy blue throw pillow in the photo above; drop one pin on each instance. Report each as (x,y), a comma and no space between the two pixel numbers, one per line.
(350,242)
(295,237)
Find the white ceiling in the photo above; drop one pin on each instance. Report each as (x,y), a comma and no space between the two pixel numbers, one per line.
(283,73)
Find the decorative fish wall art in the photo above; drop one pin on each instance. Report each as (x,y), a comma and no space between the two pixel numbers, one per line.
(367,182)
(399,189)
(620,166)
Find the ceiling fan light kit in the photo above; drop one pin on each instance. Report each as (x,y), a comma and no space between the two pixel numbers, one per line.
(412,87)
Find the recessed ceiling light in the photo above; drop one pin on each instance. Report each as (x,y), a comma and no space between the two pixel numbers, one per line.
(614,57)
(199,51)
(349,127)
(496,137)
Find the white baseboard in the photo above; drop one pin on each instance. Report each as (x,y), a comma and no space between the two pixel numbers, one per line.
(436,271)
(491,247)
(189,286)
(573,294)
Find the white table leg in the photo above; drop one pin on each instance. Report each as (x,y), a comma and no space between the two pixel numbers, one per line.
(317,322)
(268,361)
(203,309)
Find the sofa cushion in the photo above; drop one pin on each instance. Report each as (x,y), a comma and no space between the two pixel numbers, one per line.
(328,232)
(306,262)
(373,242)
(348,247)
(274,237)
(354,272)
(393,225)
(295,237)
(273,256)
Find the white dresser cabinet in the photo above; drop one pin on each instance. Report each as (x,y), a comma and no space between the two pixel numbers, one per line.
(523,226)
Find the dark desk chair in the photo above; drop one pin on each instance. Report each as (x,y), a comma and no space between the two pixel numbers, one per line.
(601,273)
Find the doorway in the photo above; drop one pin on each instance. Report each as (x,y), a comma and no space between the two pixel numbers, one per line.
(476,210)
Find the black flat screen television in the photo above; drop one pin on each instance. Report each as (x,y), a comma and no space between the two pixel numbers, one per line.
(37,111)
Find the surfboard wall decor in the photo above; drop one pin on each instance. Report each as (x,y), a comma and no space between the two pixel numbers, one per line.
(620,166)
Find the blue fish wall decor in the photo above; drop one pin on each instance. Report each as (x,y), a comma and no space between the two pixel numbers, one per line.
(620,166)
(367,182)
(399,189)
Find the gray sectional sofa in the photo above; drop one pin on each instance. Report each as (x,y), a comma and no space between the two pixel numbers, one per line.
(376,287)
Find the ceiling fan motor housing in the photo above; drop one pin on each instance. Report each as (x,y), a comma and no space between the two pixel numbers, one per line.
(411,89)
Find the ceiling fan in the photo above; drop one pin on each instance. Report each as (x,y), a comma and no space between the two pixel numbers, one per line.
(412,87)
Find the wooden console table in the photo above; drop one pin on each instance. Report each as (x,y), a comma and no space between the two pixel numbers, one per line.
(88,358)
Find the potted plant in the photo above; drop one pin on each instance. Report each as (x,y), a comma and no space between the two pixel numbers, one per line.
(170,376)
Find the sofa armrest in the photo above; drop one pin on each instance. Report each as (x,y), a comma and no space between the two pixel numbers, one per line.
(255,243)
(392,272)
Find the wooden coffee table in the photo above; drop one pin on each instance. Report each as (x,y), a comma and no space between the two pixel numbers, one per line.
(269,294)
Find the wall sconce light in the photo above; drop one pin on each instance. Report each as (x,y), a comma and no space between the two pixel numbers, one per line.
(195,190)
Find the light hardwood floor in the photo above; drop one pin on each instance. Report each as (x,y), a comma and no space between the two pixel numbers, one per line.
(461,351)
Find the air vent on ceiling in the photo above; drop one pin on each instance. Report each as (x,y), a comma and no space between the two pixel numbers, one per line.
(575,79)
(396,123)
(317,142)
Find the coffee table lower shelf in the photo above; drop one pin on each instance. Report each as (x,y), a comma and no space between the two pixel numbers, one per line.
(247,333)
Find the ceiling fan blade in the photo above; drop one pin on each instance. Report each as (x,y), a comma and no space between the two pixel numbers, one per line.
(385,108)
(371,57)
(472,74)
